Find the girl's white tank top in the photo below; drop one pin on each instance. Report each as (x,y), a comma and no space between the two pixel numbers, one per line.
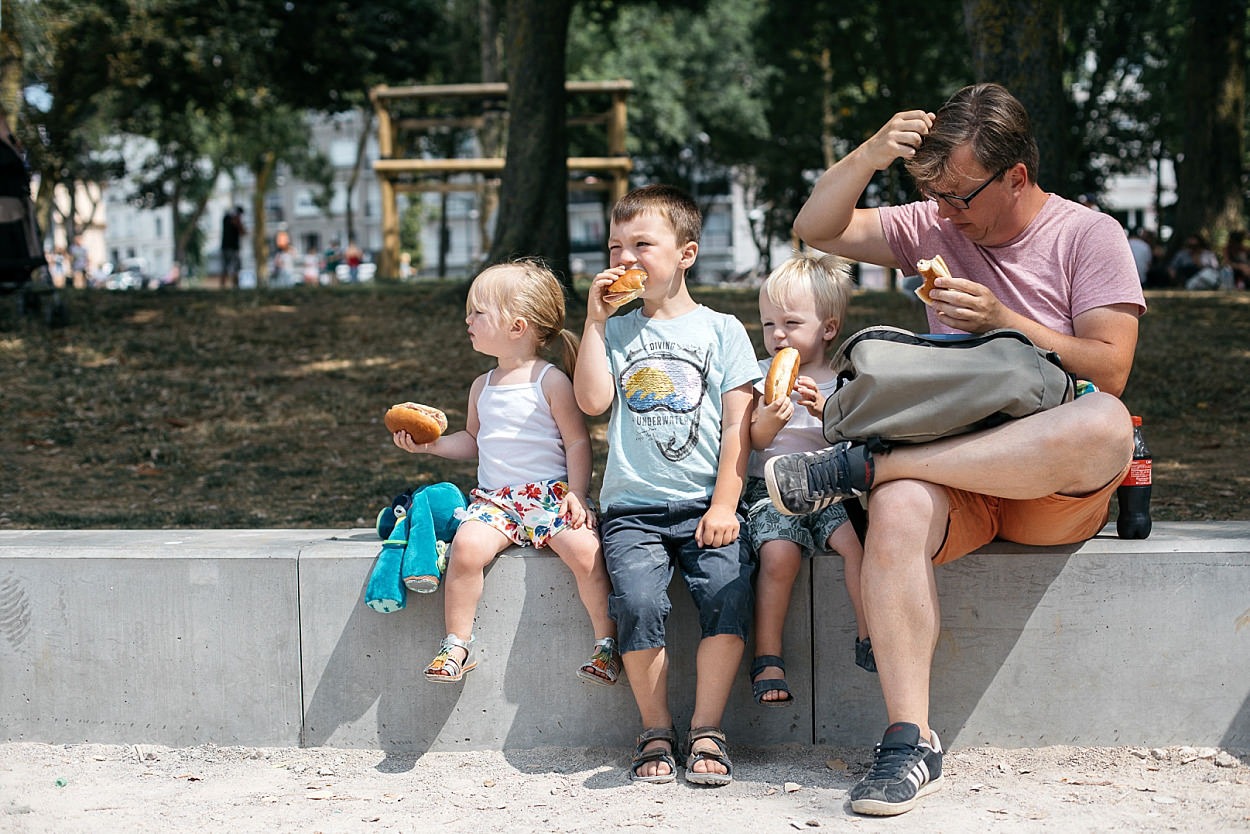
(518,441)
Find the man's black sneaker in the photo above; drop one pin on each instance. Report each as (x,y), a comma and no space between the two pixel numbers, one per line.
(904,768)
(805,482)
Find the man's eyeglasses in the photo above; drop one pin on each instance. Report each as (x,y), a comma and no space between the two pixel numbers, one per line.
(964,202)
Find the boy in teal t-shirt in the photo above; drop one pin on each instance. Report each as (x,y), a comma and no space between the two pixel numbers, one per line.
(678,378)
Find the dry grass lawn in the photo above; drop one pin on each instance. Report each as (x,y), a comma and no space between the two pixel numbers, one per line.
(263,409)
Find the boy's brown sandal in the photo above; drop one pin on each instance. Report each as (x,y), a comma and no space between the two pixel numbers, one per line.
(655,754)
(717,736)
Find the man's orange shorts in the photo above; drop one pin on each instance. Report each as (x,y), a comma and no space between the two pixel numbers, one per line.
(1054,519)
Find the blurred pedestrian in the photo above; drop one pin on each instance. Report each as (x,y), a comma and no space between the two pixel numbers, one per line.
(1141,241)
(1235,273)
(353,257)
(20,252)
(1195,266)
(232,231)
(312,267)
(78,262)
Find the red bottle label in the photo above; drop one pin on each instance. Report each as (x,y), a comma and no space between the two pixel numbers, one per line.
(1138,473)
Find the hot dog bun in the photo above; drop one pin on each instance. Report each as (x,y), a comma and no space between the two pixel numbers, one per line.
(930,269)
(782,374)
(425,423)
(626,288)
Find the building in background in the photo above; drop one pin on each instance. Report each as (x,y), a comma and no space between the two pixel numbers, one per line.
(452,236)
(451,233)
(134,234)
(1134,199)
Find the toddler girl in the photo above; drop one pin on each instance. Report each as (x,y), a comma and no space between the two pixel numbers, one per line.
(534,460)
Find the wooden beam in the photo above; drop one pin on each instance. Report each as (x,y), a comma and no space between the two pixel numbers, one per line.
(415,124)
(478,122)
(394,167)
(490,90)
(413,175)
(440,187)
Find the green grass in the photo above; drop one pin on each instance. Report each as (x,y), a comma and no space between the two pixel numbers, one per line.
(210,409)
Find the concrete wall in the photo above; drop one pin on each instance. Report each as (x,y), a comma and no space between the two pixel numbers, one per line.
(260,637)
(171,637)
(1109,643)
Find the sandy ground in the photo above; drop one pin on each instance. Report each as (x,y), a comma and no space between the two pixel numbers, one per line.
(116,788)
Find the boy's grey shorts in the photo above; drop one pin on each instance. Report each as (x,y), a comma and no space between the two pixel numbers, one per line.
(766,523)
(643,545)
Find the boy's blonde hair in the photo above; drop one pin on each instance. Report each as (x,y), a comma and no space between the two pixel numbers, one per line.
(528,289)
(825,279)
(674,205)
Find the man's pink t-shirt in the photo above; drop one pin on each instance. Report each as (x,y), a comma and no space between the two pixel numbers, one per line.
(1067,261)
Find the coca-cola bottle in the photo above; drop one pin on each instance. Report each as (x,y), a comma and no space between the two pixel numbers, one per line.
(1133,494)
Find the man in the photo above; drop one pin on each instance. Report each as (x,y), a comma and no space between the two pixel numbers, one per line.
(1022,258)
(78,262)
(232,231)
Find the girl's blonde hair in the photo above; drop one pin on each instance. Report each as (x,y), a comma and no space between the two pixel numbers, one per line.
(825,279)
(527,289)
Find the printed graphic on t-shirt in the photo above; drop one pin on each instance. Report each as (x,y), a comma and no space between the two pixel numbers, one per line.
(663,387)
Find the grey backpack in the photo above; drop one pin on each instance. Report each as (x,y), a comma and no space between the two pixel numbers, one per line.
(895,386)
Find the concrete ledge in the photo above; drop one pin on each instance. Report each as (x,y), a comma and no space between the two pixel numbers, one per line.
(1108,643)
(260,637)
(169,637)
(362,670)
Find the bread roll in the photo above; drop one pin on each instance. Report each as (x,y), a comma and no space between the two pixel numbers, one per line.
(930,269)
(626,288)
(782,374)
(423,422)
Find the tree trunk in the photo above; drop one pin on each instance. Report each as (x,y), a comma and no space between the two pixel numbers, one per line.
(533,194)
(444,232)
(263,174)
(1016,43)
(1208,177)
(10,65)
(491,135)
(184,227)
(362,145)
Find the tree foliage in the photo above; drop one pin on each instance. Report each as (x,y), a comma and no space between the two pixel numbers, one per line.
(205,82)
(840,72)
(698,88)
(765,93)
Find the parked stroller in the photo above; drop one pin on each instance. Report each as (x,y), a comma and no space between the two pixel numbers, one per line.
(23,268)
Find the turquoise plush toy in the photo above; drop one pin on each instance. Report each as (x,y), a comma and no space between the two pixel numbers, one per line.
(416,530)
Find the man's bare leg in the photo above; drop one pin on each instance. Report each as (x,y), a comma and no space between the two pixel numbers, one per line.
(1073,449)
(899,593)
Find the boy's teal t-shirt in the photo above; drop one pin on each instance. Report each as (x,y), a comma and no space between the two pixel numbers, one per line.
(665,429)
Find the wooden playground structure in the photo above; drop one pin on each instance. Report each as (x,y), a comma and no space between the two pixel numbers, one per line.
(399,112)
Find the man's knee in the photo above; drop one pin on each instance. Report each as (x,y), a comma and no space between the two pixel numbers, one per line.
(907,501)
(1114,421)
(1099,431)
(1100,416)
(908,521)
